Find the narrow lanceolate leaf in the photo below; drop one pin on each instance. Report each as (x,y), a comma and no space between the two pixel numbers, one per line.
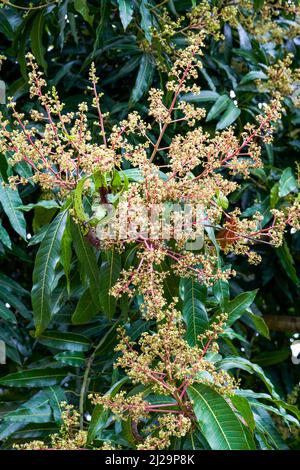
(257,323)
(194,312)
(87,258)
(85,309)
(236,307)
(2,92)
(217,109)
(4,237)
(7,314)
(229,117)
(44,272)
(13,286)
(268,431)
(143,79)
(146,19)
(126,12)
(221,292)
(253,75)
(100,415)
(15,302)
(65,341)
(242,405)
(217,421)
(109,274)
(66,252)
(10,200)
(8,428)
(82,7)
(34,378)
(45,204)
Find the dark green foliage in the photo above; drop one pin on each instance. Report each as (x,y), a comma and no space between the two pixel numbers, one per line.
(61,319)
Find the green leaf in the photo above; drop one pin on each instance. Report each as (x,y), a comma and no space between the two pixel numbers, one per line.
(236,307)
(82,7)
(143,79)
(87,258)
(127,68)
(127,432)
(35,410)
(274,195)
(65,341)
(266,427)
(245,42)
(40,414)
(217,421)
(220,105)
(34,378)
(242,406)
(194,312)
(13,286)
(287,183)
(252,396)
(228,117)
(146,20)
(36,39)
(233,362)
(126,12)
(6,314)
(10,200)
(78,204)
(287,262)
(202,97)
(221,292)
(56,395)
(7,428)
(66,252)
(253,75)
(75,359)
(258,4)
(2,92)
(85,309)
(288,419)
(15,302)
(109,274)
(44,272)
(38,238)
(100,415)
(45,204)
(5,27)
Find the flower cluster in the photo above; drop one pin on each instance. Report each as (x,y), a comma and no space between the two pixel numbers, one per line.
(69,436)
(275,21)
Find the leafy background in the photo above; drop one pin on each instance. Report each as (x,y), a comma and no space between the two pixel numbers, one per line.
(73,356)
